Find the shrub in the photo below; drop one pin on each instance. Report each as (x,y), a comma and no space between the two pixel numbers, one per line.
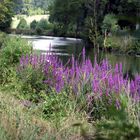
(2,38)
(135,46)
(32,85)
(55,106)
(22,24)
(43,23)
(39,31)
(110,23)
(124,44)
(10,53)
(33,24)
(12,49)
(43,26)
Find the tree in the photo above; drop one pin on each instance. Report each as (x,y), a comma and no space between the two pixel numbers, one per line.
(43,4)
(18,6)
(89,17)
(6,13)
(22,24)
(68,12)
(33,24)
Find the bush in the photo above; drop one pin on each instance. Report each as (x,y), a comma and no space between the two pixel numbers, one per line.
(39,30)
(22,24)
(2,38)
(10,53)
(43,26)
(33,24)
(124,44)
(56,106)
(136,46)
(110,23)
(32,85)
(43,23)
(12,49)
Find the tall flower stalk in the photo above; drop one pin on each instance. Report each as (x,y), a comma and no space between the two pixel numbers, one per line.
(84,78)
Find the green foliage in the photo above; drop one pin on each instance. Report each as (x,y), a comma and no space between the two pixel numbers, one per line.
(2,38)
(43,26)
(32,85)
(12,50)
(90,19)
(6,13)
(32,7)
(19,122)
(10,53)
(119,123)
(3,134)
(123,130)
(43,23)
(33,24)
(135,46)
(67,13)
(57,106)
(22,24)
(110,23)
(125,44)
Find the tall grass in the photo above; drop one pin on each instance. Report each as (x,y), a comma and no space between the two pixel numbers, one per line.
(18,122)
(123,43)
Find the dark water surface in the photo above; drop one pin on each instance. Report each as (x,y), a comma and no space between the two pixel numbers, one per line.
(66,47)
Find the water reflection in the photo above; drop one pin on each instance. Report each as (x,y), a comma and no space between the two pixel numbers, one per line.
(66,47)
(131,64)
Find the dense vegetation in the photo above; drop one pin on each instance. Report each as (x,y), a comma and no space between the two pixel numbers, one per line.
(42,99)
(101,24)
(96,21)
(6,13)
(32,7)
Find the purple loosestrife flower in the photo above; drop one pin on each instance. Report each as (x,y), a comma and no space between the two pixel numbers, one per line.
(27,60)
(117,104)
(22,60)
(135,87)
(116,68)
(34,61)
(107,92)
(95,79)
(41,59)
(83,56)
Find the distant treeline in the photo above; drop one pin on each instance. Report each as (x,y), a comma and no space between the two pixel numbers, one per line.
(31,7)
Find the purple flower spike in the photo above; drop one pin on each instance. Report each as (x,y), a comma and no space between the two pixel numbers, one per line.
(92,80)
(118,106)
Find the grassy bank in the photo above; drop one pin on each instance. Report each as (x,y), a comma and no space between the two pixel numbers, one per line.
(125,44)
(21,122)
(42,99)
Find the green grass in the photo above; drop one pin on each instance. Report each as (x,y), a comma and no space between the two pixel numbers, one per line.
(20,122)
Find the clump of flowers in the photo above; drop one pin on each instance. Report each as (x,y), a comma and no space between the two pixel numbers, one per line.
(92,80)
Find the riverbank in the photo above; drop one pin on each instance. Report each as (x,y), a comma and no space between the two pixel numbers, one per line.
(21,119)
(66,47)
(49,100)
(119,44)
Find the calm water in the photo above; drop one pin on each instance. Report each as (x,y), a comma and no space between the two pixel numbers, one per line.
(66,47)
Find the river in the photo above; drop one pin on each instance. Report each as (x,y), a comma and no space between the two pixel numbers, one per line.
(66,47)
